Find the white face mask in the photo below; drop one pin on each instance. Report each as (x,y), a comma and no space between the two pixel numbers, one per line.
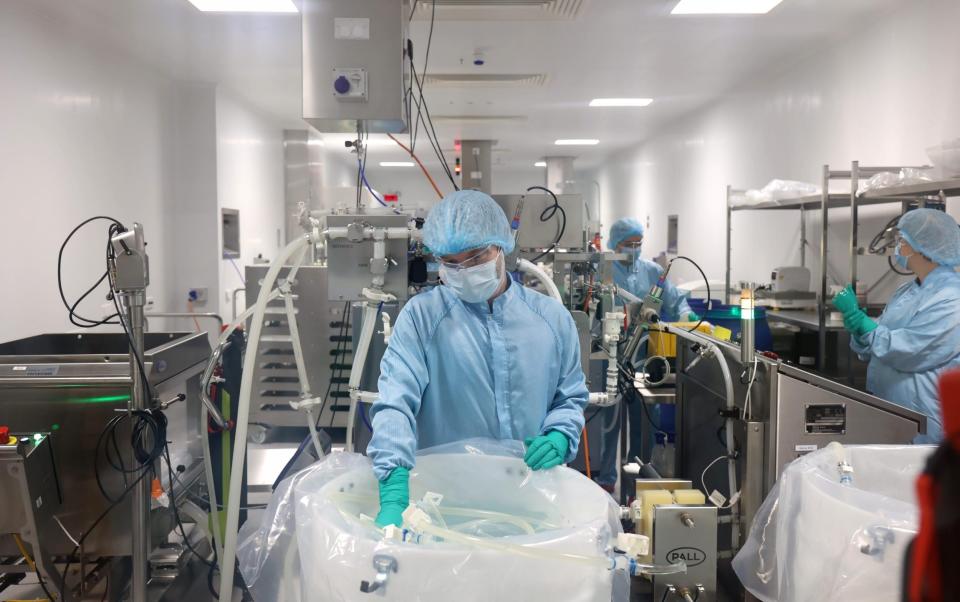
(474,284)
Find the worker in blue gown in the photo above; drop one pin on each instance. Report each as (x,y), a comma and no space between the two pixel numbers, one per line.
(479,356)
(637,276)
(918,335)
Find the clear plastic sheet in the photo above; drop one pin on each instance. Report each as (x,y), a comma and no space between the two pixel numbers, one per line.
(818,539)
(774,191)
(905,177)
(317,541)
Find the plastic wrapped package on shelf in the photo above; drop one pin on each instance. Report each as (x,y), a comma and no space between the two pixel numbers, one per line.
(836,526)
(498,530)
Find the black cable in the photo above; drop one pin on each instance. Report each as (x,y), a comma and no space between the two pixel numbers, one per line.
(431,131)
(176,512)
(75,318)
(592,416)
(893,267)
(426,61)
(547,214)
(705,281)
(875,247)
(40,582)
(94,524)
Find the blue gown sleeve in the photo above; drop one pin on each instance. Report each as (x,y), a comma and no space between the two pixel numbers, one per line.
(928,342)
(565,413)
(403,379)
(674,301)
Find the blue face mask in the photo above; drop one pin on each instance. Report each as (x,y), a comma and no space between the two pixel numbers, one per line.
(474,284)
(899,258)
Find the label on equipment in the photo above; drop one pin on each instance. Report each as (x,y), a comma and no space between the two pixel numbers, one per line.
(351,29)
(36,370)
(806,448)
(826,419)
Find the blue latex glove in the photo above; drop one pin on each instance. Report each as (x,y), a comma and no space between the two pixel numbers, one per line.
(394,497)
(846,301)
(546,451)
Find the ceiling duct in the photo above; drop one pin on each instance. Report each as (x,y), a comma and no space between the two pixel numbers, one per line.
(502,10)
(485,80)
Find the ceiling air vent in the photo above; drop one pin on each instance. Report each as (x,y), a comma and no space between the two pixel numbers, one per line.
(502,10)
(485,80)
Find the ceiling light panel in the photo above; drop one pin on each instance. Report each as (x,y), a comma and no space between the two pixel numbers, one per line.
(577,142)
(244,6)
(540,164)
(724,7)
(620,102)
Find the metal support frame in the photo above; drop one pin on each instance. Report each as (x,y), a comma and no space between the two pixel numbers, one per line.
(726,290)
(822,306)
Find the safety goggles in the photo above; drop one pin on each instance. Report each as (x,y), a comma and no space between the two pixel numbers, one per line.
(480,257)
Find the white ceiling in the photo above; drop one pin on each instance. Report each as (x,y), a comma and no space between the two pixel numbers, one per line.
(613,48)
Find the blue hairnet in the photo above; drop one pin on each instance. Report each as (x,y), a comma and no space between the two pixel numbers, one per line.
(623,229)
(932,233)
(464,220)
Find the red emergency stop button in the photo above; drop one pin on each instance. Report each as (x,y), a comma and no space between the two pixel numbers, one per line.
(4,435)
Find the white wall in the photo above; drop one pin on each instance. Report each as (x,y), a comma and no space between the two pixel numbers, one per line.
(881,97)
(83,132)
(249,179)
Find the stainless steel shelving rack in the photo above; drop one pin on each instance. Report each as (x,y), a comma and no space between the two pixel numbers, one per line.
(920,194)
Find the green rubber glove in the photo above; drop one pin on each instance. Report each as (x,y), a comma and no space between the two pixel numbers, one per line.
(394,497)
(546,451)
(692,317)
(859,323)
(846,301)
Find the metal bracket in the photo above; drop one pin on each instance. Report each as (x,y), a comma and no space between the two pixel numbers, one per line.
(384,565)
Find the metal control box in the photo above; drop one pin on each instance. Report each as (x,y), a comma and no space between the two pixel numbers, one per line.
(687,534)
(349,262)
(355,71)
(28,481)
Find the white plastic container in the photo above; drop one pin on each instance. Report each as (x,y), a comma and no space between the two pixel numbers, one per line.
(817,539)
(317,541)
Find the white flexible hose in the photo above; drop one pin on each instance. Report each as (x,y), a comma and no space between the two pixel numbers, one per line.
(243,417)
(205,438)
(359,361)
(528,268)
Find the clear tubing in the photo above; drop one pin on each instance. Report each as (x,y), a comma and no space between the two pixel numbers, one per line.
(528,268)
(517,521)
(359,361)
(228,560)
(314,435)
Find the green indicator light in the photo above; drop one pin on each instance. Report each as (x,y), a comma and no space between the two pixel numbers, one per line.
(37,437)
(55,427)
(101,399)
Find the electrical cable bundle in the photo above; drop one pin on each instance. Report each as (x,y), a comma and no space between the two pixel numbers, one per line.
(148,432)
(547,214)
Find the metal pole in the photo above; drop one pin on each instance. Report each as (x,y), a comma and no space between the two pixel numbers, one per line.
(824,203)
(803,236)
(140,518)
(726,291)
(854,182)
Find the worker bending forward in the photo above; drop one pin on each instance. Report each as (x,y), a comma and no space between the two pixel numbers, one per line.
(480,356)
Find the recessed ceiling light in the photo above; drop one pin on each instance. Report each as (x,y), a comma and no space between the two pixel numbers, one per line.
(244,6)
(540,164)
(620,102)
(577,142)
(396,164)
(724,7)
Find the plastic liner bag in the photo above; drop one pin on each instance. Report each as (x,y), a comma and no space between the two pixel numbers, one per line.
(317,540)
(776,190)
(825,533)
(905,177)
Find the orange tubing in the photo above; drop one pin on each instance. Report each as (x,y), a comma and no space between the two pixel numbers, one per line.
(424,169)
(586,450)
